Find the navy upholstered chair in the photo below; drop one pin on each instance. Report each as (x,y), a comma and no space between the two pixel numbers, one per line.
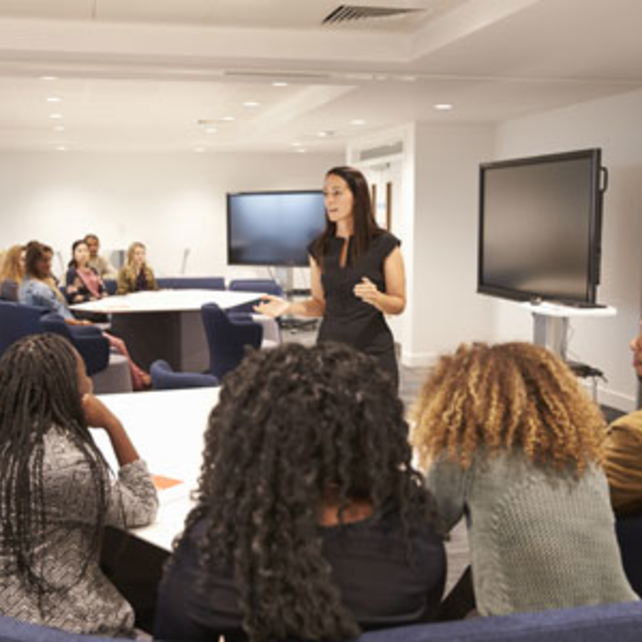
(191,282)
(164,378)
(269,286)
(16,321)
(228,338)
(111,285)
(629,535)
(88,340)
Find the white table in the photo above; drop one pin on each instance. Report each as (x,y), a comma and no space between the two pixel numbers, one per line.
(167,429)
(166,324)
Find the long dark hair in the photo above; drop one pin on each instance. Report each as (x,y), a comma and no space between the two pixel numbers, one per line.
(291,425)
(39,392)
(73,263)
(34,252)
(365,226)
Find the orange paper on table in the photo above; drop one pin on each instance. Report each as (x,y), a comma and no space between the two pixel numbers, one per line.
(163,483)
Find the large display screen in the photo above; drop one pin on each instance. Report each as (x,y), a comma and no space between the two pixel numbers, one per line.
(540,227)
(273,228)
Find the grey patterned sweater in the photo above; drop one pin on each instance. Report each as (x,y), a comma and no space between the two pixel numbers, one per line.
(92,605)
(539,538)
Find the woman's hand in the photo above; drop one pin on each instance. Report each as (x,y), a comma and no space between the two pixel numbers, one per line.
(367,292)
(97,414)
(272,306)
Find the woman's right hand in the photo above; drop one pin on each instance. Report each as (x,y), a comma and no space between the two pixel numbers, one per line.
(272,306)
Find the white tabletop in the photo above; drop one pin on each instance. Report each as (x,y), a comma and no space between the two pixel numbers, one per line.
(167,428)
(167,301)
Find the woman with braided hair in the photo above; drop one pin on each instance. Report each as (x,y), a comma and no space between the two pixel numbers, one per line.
(310,522)
(56,492)
(514,444)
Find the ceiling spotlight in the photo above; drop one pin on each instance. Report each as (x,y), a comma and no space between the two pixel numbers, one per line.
(54,99)
(443,106)
(199,150)
(48,78)
(300,150)
(211,130)
(251,103)
(59,128)
(296,143)
(279,84)
(358,121)
(55,116)
(61,148)
(228,119)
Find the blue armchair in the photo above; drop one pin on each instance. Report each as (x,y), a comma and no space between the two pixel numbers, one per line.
(269,286)
(88,340)
(164,378)
(629,535)
(16,321)
(228,338)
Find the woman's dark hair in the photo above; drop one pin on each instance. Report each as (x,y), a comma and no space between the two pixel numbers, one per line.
(35,251)
(292,425)
(38,393)
(73,263)
(365,226)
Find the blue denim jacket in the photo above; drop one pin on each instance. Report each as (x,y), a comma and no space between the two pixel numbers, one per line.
(34,292)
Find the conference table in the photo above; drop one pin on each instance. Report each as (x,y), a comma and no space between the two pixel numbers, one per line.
(165,324)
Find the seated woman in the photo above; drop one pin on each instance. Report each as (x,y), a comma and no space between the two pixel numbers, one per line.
(136,275)
(83,283)
(57,493)
(39,289)
(310,522)
(514,444)
(12,272)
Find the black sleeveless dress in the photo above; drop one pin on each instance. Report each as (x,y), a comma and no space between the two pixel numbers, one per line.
(347,318)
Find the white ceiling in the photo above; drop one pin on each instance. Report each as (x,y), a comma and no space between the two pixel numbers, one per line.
(141,74)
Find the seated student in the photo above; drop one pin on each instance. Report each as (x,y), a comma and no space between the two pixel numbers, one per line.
(623,451)
(310,522)
(39,289)
(101,264)
(514,445)
(57,493)
(136,275)
(83,283)
(12,272)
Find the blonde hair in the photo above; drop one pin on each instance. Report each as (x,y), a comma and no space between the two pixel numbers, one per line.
(11,268)
(131,249)
(507,396)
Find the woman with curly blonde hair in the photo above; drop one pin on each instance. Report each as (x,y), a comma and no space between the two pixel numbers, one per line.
(513,443)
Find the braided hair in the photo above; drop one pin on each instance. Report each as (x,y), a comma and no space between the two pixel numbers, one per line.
(39,392)
(291,425)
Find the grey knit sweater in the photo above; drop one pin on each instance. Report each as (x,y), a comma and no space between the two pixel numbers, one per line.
(92,604)
(539,538)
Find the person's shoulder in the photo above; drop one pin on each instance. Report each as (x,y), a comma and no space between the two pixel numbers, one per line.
(385,242)
(626,429)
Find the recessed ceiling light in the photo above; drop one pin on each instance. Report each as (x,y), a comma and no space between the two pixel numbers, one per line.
(55,116)
(322,134)
(251,103)
(59,128)
(48,78)
(228,119)
(296,143)
(54,99)
(279,84)
(358,121)
(443,106)
(211,130)
(199,150)
(300,150)
(61,148)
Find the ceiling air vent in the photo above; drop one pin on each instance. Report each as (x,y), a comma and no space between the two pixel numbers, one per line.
(348,13)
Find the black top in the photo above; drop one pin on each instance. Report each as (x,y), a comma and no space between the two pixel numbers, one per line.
(347,318)
(370,565)
(76,288)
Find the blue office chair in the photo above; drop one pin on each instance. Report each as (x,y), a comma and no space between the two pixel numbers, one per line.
(18,320)
(88,340)
(629,536)
(111,285)
(269,286)
(228,338)
(164,378)
(191,282)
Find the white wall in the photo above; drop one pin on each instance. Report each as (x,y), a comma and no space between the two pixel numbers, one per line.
(168,201)
(615,125)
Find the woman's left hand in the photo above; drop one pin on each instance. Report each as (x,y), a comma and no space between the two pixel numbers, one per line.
(367,292)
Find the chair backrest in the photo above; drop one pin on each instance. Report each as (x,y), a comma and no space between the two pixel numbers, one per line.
(191,282)
(629,536)
(227,340)
(164,378)
(88,340)
(111,285)
(16,321)
(269,286)
(15,631)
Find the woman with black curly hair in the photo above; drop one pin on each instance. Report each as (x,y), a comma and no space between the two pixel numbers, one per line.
(311,522)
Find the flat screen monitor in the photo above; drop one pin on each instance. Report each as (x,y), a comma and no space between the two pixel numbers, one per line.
(273,228)
(540,227)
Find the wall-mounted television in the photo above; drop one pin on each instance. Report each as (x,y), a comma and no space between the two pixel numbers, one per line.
(273,228)
(540,224)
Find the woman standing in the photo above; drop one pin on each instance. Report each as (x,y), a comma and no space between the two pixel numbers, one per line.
(57,493)
(136,275)
(357,273)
